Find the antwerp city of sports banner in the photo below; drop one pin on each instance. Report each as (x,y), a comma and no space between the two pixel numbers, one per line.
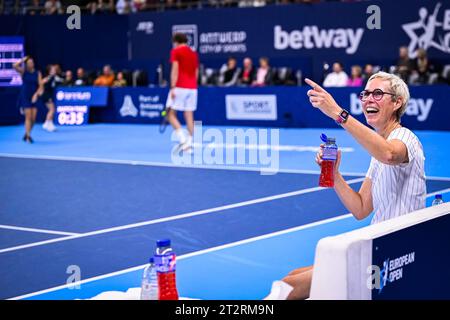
(333,29)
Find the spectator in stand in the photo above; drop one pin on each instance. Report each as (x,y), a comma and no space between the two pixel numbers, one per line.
(404,65)
(264,75)
(138,5)
(52,7)
(355,79)
(368,72)
(68,79)
(34,8)
(106,79)
(120,80)
(101,7)
(123,7)
(337,78)
(422,68)
(81,78)
(229,73)
(248,73)
(251,3)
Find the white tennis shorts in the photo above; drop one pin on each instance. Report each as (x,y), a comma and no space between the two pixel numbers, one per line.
(185,100)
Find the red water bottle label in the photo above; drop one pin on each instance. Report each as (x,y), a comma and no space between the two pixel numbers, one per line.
(327,174)
(329,156)
(167,284)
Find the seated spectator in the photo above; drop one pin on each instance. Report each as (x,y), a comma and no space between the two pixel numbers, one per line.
(251,3)
(68,79)
(355,79)
(404,65)
(368,72)
(264,74)
(35,8)
(123,7)
(138,5)
(337,78)
(52,7)
(81,78)
(248,73)
(106,79)
(284,76)
(100,7)
(120,80)
(229,73)
(422,68)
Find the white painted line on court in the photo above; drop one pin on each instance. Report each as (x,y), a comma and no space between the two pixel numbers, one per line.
(62,233)
(438,192)
(168,165)
(172,218)
(200,252)
(260,146)
(171,165)
(189,255)
(438,178)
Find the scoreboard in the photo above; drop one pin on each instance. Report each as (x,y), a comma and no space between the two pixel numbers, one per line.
(11,50)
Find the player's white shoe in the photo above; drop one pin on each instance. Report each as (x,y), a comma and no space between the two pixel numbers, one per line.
(49,126)
(185,147)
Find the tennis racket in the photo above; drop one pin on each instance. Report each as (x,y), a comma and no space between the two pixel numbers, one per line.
(164,121)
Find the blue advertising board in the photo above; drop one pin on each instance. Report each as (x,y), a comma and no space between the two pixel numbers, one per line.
(303,36)
(274,106)
(73,103)
(404,258)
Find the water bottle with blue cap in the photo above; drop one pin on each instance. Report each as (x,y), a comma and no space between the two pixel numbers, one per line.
(329,157)
(149,284)
(437,200)
(165,260)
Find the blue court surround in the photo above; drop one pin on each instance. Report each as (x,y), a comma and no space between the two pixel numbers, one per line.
(68,195)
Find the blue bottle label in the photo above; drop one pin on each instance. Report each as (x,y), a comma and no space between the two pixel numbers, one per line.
(165,262)
(329,153)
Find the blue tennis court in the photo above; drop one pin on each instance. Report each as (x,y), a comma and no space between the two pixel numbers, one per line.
(99,196)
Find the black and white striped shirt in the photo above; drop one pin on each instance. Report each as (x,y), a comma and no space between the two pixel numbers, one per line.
(399,189)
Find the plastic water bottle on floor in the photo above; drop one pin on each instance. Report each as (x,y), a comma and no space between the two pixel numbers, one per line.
(149,285)
(165,260)
(437,200)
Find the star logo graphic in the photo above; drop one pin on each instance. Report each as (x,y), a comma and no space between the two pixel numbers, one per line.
(425,39)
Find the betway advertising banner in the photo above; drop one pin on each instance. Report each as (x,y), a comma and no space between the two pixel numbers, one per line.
(274,106)
(367,30)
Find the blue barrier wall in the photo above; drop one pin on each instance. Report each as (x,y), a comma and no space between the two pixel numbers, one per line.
(427,109)
(268,106)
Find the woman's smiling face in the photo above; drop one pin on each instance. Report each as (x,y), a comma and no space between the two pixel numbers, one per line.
(379,112)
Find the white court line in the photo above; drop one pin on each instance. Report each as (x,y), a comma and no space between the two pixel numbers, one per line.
(172,218)
(168,165)
(438,178)
(189,255)
(438,192)
(200,252)
(3,226)
(171,165)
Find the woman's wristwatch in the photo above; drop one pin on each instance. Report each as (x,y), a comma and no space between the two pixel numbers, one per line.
(343,116)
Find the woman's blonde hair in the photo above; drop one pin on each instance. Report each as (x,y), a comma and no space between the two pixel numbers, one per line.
(398,87)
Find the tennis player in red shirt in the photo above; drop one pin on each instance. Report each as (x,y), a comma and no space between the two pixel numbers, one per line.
(183,89)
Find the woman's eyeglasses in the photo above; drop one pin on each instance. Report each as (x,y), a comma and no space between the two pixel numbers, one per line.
(377,94)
